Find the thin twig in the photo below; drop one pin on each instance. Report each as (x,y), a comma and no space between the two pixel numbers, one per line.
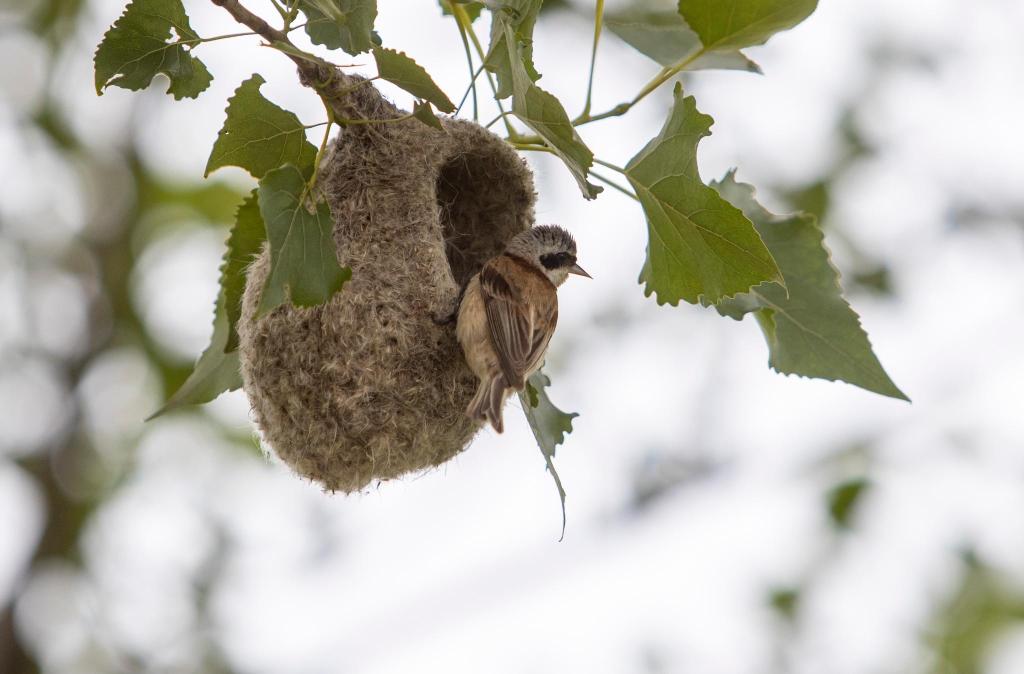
(598,22)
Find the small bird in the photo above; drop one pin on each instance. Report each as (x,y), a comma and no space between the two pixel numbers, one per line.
(508,314)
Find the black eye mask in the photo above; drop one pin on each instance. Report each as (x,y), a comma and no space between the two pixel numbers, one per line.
(557,260)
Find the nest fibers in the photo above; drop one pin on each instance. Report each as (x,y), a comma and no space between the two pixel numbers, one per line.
(367,386)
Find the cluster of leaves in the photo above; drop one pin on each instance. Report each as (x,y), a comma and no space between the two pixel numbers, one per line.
(709,244)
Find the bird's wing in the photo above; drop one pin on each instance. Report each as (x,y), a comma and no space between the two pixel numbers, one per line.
(544,327)
(519,318)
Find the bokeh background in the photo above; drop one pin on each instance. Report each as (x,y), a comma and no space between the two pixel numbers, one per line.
(722,519)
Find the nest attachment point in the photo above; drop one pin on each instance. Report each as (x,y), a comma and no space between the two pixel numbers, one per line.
(368,386)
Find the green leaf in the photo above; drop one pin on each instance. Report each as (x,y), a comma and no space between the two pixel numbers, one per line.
(217,370)
(244,243)
(511,46)
(667,39)
(341,24)
(423,112)
(699,245)
(259,136)
(810,329)
(304,265)
(785,601)
(549,425)
(843,500)
(473,9)
(724,25)
(139,45)
(214,372)
(403,72)
(546,117)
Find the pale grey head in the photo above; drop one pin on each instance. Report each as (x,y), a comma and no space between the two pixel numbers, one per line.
(549,248)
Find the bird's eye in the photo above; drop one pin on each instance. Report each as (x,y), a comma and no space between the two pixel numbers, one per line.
(552,260)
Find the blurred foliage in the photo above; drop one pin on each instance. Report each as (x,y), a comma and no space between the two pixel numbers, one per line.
(843,500)
(71,472)
(983,609)
(785,601)
(75,480)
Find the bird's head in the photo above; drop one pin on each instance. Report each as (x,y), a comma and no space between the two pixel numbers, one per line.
(549,248)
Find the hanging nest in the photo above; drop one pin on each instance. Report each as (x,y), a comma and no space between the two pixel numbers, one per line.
(369,386)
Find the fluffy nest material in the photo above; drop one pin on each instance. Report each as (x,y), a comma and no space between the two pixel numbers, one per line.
(368,386)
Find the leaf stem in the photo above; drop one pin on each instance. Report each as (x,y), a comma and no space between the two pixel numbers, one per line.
(473,74)
(598,23)
(459,12)
(614,167)
(530,147)
(293,11)
(664,75)
(320,152)
(614,185)
(204,40)
(357,122)
(496,119)
(280,10)
(470,89)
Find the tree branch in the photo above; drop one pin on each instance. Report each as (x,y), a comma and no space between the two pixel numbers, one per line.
(313,72)
(255,23)
(340,93)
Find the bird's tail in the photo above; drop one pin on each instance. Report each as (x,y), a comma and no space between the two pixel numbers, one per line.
(487,403)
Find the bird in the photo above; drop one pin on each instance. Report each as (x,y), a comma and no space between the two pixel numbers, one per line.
(508,313)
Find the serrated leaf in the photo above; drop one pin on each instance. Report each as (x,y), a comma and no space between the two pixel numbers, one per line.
(423,112)
(259,136)
(304,265)
(511,46)
(733,24)
(699,244)
(472,9)
(399,69)
(214,373)
(546,117)
(810,329)
(244,243)
(341,24)
(150,37)
(667,39)
(549,425)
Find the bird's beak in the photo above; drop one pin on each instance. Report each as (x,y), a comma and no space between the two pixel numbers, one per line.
(578,270)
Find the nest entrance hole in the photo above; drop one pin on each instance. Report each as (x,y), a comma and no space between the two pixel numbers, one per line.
(483,201)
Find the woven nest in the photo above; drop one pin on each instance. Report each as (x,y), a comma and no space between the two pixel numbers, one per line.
(368,386)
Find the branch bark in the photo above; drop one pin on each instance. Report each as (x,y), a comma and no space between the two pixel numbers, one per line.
(309,69)
(339,92)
